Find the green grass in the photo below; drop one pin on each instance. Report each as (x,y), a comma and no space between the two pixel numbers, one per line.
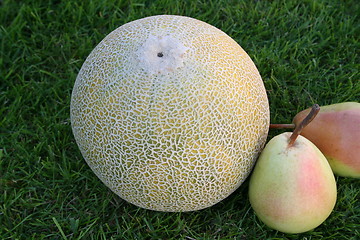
(306,51)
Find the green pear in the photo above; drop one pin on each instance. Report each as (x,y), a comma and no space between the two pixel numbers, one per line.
(292,188)
(336,132)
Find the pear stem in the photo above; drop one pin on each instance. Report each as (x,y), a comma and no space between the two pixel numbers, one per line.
(281,125)
(298,128)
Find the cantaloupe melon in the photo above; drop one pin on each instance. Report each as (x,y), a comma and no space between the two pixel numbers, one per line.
(170,113)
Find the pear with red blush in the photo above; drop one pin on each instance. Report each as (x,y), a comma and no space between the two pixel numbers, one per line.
(292,188)
(336,132)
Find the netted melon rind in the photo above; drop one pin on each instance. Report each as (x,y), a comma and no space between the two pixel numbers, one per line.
(177,135)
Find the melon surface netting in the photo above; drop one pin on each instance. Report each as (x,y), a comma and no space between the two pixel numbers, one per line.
(170,113)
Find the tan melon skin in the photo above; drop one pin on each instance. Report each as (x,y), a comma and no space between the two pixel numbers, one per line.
(179,132)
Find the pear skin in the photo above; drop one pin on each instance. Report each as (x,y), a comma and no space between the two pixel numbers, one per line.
(336,132)
(292,188)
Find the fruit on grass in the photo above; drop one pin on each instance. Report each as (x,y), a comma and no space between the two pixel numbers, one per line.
(292,188)
(336,132)
(170,113)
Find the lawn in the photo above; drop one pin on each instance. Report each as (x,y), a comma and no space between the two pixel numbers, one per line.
(306,51)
